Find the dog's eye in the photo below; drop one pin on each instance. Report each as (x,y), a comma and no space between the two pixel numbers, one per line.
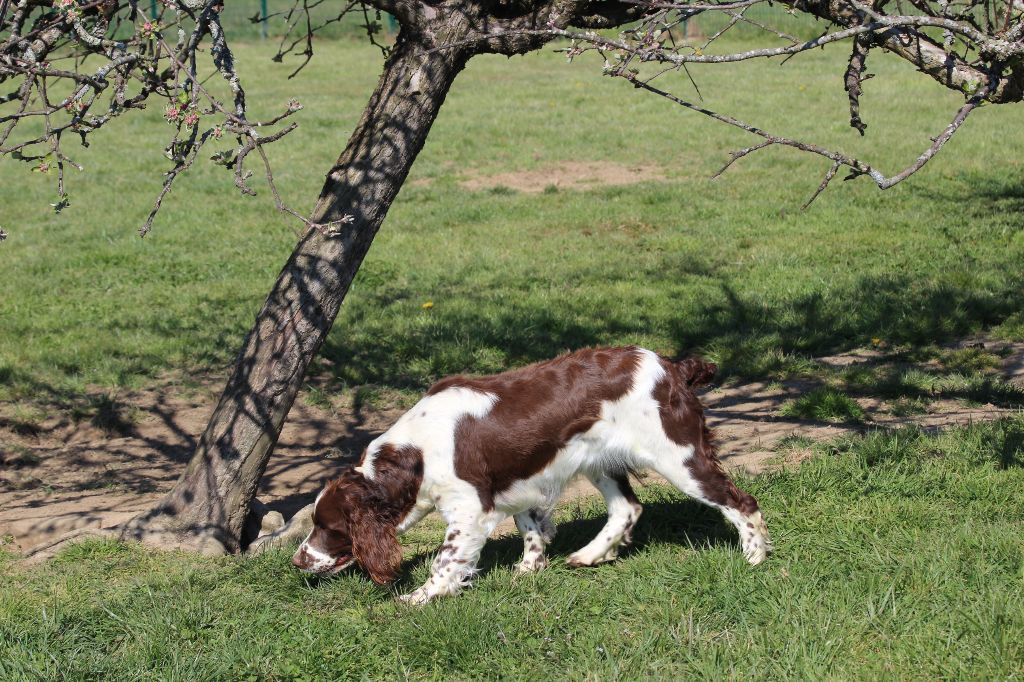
(330,541)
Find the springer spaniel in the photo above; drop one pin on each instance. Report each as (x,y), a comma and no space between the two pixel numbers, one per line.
(479,449)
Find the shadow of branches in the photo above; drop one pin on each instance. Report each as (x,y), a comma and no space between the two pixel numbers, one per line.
(747,335)
(686,523)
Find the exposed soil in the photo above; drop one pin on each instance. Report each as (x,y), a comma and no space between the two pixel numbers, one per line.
(567,175)
(58,474)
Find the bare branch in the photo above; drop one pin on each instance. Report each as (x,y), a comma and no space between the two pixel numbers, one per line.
(852,79)
(824,183)
(131,63)
(855,165)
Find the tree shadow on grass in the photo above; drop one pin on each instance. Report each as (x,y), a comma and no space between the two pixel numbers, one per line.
(895,382)
(749,332)
(1008,444)
(980,195)
(749,336)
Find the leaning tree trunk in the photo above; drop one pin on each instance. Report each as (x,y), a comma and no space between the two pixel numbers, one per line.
(208,506)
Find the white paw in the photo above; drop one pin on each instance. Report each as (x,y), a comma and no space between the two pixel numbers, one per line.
(756,543)
(756,550)
(578,560)
(532,565)
(415,598)
(581,559)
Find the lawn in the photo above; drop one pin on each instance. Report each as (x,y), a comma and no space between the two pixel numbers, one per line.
(898,556)
(731,267)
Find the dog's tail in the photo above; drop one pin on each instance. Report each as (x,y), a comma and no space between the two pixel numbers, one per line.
(695,372)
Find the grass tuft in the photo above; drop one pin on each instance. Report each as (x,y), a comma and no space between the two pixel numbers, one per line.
(966,360)
(108,413)
(794,442)
(824,404)
(908,407)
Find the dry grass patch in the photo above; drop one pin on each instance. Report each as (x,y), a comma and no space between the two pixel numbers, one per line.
(567,175)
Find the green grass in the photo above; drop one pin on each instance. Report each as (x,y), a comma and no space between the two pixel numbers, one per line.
(824,404)
(731,268)
(909,407)
(898,556)
(908,381)
(793,442)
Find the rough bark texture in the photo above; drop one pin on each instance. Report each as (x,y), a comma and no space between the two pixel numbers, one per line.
(207,508)
(928,56)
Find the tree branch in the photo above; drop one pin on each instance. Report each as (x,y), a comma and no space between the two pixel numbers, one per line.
(838,159)
(607,14)
(407,12)
(944,66)
(852,79)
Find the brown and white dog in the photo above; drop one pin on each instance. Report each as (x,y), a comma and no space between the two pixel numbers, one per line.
(480,449)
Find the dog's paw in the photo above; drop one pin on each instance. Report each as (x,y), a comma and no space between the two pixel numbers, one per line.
(755,552)
(581,560)
(532,565)
(574,561)
(756,543)
(415,598)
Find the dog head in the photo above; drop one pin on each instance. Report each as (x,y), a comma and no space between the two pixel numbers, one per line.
(352,523)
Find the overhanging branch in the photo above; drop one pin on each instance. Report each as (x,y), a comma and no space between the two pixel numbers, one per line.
(838,159)
(902,37)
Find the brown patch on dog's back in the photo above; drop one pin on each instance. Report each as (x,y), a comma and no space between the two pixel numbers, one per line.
(539,408)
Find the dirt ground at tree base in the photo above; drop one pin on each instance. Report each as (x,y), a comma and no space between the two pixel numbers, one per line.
(58,474)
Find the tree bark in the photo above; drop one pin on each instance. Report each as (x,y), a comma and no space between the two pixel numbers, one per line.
(208,507)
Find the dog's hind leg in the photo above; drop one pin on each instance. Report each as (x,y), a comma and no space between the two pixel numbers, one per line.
(537,530)
(623,511)
(698,473)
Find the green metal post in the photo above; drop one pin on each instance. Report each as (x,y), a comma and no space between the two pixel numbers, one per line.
(263,21)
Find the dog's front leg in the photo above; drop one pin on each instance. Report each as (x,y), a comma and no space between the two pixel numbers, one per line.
(413,517)
(454,566)
(537,530)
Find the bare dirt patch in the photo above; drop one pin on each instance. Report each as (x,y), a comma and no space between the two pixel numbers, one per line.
(69,475)
(567,175)
(749,430)
(58,474)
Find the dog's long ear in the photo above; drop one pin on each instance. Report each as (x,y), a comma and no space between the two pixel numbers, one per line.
(695,372)
(375,545)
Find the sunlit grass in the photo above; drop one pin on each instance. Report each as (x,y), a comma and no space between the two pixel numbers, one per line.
(731,267)
(898,556)
(824,404)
